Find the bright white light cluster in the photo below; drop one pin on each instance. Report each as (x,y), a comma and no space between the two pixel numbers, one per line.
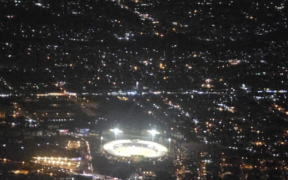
(128,148)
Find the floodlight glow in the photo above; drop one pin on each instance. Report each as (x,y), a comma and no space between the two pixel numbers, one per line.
(116,131)
(153,132)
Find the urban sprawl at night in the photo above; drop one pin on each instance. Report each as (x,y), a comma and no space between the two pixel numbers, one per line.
(144,89)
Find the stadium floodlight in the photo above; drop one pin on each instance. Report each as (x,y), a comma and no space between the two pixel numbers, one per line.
(153,132)
(116,131)
(101,141)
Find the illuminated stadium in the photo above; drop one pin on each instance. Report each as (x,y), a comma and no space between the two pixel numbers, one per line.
(130,148)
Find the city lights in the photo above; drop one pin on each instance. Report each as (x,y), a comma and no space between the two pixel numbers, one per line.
(196,89)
